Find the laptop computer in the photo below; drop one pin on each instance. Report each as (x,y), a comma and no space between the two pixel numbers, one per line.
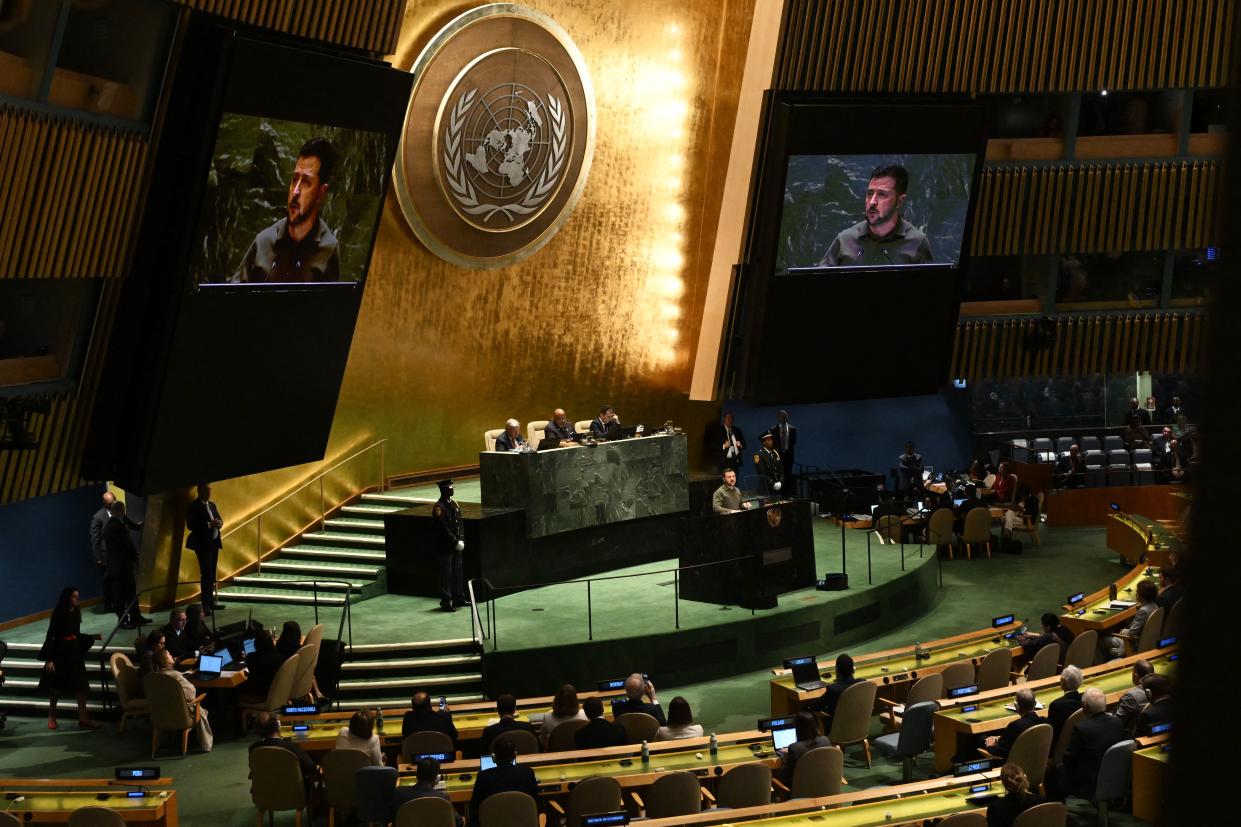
(247,647)
(805,673)
(782,738)
(209,667)
(547,443)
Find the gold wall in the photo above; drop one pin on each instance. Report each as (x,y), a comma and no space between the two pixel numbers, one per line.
(607,312)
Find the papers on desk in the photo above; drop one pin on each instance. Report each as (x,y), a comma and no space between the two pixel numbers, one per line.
(1013,707)
(229,673)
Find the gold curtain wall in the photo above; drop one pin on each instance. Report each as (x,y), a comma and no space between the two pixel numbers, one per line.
(997,46)
(369,25)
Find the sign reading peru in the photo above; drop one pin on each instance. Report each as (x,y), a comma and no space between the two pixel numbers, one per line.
(498,137)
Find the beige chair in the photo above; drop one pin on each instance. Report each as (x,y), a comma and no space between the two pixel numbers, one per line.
(1029,524)
(304,677)
(927,688)
(819,772)
(426,812)
(340,768)
(977,531)
(526,743)
(562,737)
(1044,663)
(597,794)
(1081,652)
(851,720)
(1047,814)
(939,530)
(490,437)
(638,726)
(423,742)
(277,696)
(94,817)
(994,671)
(955,675)
(535,431)
(1030,752)
(974,819)
(1151,634)
(1066,732)
(276,783)
(747,785)
(168,709)
(128,688)
(1172,622)
(582,426)
(672,794)
(314,638)
(889,528)
(510,809)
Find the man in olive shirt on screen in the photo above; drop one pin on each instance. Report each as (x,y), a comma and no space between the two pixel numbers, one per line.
(727,497)
(883,237)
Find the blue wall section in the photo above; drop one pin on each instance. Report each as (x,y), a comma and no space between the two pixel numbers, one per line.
(870,433)
(45,546)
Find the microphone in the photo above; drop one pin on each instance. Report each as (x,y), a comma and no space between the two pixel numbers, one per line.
(884,250)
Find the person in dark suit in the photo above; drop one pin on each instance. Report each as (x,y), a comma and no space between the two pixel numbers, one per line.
(1171,589)
(450,549)
(1097,731)
(1136,413)
(262,663)
(203,520)
(786,442)
(599,732)
(732,444)
(511,439)
(422,718)
(1061,709)
(506,776)
(1159,710)
(428,770)
(1052,632)
(1071,469)
(809,736)
(909,472)
(603,423)
(844,679)
(768,464)
(1175,411)
(177,639)
(1004,811)
(267,726)
(1000,745)
(506,708)
(635,687)
(98,552)
(559,427)
(1131,702)
(122,556)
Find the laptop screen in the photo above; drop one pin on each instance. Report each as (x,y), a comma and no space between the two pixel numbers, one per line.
(782,738)
(805,670)
(210,663)
(247,646)
(958,503)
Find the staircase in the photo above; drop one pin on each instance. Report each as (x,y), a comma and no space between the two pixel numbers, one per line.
(20,694)
(387,674)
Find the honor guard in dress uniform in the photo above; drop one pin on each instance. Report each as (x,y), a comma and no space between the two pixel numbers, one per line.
(449,554)
(767,463)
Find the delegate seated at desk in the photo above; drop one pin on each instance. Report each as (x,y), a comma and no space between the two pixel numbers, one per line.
(605,422)
(511,439)
(727,498)
(559,427)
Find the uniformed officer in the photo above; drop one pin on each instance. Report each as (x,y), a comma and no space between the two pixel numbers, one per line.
(449,550)
(767,463)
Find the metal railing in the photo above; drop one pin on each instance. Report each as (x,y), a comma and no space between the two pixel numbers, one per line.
(257,519)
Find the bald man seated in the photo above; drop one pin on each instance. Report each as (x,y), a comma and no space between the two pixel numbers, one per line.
(559,427)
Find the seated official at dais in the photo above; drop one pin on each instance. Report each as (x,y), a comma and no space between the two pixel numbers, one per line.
(559,427)
(511,439)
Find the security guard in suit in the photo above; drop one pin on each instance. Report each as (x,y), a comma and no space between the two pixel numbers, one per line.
(449,551)
(767,462)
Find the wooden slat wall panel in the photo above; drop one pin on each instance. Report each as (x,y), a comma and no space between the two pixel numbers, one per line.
(993,46)
(1096,208)
(1083,345)
(366,25)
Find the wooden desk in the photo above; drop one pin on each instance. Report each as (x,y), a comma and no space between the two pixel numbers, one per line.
(895,670)
(52,800)
(1091,506)
(1135,537)
(1150,768)
(1095,611)
(227,680)
(955,729)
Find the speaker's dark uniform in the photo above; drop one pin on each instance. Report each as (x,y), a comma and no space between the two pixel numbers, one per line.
(449,558)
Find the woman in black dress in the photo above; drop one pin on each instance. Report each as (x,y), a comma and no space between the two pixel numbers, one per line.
(290,640)
(64,658)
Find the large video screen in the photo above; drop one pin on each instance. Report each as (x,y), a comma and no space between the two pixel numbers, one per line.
(288,201)
(873,210)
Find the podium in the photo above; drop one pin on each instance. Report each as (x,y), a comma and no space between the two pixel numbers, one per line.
(769,551)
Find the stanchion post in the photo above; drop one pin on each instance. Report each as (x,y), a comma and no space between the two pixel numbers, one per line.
(590,620)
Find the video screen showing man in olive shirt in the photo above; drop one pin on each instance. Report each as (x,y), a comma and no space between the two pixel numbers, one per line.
(883,236)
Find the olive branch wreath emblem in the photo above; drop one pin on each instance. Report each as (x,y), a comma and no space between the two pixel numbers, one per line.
(463,189)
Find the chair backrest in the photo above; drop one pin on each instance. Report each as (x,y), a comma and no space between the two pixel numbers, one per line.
(1094,459)
(427,811)
(964,820)
(282,685)
(940,526)
(1112,442)
(94,817)
(166,702)
(993,672)
(526,743)
(509,809)
(1118,457)
(1064,443)
(1172,620)
(928,688)
(673,794)
(582,426)
(340,768)
(638,726)
(597,794)
(10,820)
(1141,456)
(889,527)
(1044,663)
(125,676)
(1081,652)
(917,729)
(819,772)
(314,638)
(561,738)
(1089,443)
(373,788)
(276,780)
(1151,630)
(1114,771)
(748,785)
(1047,814)
(1066,732)
(988,480)
(1041,443)
(421,742)
(490,437)
(956,674)
(977,526)
(305,674)
(851,720)
(535,431)
(1030,752)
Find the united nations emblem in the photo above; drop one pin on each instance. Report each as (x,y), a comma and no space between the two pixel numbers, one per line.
(498,138)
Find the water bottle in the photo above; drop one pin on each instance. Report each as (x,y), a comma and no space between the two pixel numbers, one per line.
(379,722)
(715,745)
(646,753)
(918,655)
